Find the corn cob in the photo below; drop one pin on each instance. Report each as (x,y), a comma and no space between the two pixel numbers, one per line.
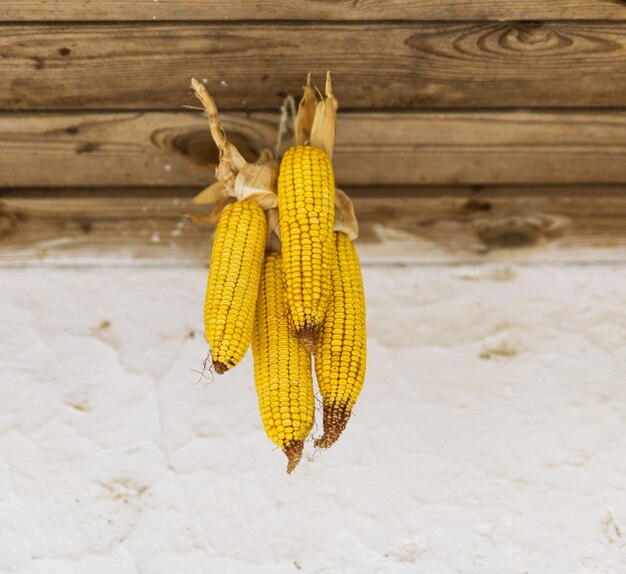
(232,287)
(341,346)
(306,204)
(282,368)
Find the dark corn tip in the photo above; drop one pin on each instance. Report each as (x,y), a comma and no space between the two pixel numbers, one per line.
(307,337)
(336,418)
(293,452)
(220,368)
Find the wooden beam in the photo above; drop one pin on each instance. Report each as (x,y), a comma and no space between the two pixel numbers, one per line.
(160,149)
(419,225)
(119,10)
(376,65)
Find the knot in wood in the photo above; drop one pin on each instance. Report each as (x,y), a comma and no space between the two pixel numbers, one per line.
(198,144)
(532,36)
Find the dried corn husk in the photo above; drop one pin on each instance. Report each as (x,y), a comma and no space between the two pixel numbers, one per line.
(257,182)
(239,180)
(345,218)
(306,114)
(325,120)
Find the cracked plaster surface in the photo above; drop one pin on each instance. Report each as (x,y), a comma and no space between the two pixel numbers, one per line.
(490,436)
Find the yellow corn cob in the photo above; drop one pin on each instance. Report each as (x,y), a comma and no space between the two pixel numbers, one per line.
(341,346)
(306,204)
(282,368)
(232,287)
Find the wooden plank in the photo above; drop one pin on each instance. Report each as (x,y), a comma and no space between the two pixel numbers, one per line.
(140,149)
(420,225)
(118,10)
(252,66)
(118,148)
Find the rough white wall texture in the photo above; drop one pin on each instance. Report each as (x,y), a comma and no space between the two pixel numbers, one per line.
(490,437)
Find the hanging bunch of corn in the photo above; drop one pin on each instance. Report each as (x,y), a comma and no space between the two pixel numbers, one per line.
(284,275)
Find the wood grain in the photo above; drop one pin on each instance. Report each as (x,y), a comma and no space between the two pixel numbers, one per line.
(118,148)
(419,225)
(118,10)
(161,149)
(376,65)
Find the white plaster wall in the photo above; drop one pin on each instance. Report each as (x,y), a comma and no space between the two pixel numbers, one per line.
(490,437)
